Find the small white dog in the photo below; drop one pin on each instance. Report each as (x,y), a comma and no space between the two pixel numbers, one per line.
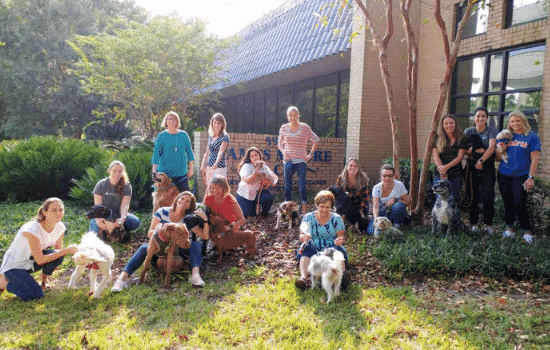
(327,267)
(94,255)
(502,146)
(383,225)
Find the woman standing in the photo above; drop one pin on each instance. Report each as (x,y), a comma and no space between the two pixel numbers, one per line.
(30,252)
(115,192)
(221,203)
(482,166)
(173,152)
(449,149)
(213,162)
(516,177)
(390,198)
(319,230)
(352,198)
(256,178)
(184,205)
(293,138)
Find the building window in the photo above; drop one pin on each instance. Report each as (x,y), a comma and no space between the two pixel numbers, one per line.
(523,11)
(502,81)
(477,22)
(322,102)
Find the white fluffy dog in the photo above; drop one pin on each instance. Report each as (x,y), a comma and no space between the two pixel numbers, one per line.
(94,255)
(327,267)
(503,146)
(383,225)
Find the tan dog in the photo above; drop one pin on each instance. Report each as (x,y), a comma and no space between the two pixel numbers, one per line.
(225,241)
(289,211)
(165,191)
(383,225)
(164,243)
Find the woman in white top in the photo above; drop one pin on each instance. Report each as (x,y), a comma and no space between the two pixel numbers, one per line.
(390,198)
(29,252)
(256,178)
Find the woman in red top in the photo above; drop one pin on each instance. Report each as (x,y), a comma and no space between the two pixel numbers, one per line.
(221,203)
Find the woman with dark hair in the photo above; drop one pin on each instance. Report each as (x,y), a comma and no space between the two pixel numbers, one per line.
(29,252)
(448,151)
(390,198)
(293,139)
(352,194)
(183,206)
(481,164)
(173,152)
(256,178)
(213,162)
(115,192)
(516,177)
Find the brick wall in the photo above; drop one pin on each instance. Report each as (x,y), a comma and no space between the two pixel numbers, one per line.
(325,167)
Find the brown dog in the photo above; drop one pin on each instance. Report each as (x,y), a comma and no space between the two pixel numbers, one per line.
(164,243)
(165,191)
(225,241)
(110,232)
(288,211)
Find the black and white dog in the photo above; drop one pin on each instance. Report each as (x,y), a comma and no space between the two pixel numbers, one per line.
(445,213)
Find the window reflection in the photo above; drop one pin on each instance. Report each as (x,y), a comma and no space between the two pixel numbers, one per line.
(477,22)
(523,11)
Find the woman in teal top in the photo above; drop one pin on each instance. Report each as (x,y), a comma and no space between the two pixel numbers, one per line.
(173,152)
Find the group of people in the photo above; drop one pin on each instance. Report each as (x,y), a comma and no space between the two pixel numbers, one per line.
(348,200)
(515,177)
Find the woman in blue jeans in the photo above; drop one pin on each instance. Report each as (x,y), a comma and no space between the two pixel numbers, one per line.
(29,252)
(183,210)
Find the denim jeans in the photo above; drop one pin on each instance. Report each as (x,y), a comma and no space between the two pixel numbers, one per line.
(132,222)
(398,215)
(181,182)
(249,207)
(289,170)
(22,284)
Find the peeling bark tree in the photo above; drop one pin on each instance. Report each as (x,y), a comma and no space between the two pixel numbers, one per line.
(382,45)
(450,61)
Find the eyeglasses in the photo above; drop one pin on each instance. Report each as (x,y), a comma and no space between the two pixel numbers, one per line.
(384,175)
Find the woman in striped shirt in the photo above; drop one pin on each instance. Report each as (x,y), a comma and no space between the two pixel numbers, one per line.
(293,138)
(213,162)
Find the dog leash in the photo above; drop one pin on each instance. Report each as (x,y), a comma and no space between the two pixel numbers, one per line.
(258,206)
(466,202)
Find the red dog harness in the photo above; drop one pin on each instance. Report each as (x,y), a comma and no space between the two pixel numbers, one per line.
(93,266)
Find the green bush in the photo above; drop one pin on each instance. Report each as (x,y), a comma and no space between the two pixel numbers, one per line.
(42,167)
(421,253)
(138,167)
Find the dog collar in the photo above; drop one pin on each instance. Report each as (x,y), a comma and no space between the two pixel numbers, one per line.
(93,266)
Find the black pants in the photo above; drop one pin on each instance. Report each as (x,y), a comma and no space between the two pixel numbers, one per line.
(515,200)
(483,190)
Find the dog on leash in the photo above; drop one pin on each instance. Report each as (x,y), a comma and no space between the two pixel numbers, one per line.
(445,213)
(288,211)
(94,255)
(113,232)
(225,241)
(165,192)
(383,225)
(503,139)
(327,267)
(164,243)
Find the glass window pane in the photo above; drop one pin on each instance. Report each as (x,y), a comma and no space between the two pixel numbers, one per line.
(271,124)
(522,101)
(477,22)
(528,10)
(259,118)
(325,111)
(463,122)
(495,72)
(285,101)
(467,105)
(493,103)
(469,77)
(344,100)
(248,120)
(304,102)
(525,68)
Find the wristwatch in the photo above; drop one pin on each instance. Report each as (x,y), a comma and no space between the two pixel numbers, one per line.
(529,177)
(480,160)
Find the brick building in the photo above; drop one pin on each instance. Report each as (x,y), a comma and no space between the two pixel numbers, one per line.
(285,59)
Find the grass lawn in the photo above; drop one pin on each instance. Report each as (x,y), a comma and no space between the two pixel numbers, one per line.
(254,304)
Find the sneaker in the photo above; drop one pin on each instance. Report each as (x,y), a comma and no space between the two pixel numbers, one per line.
(508,234)
(301,284)
(346,280)
(474,228)
(528,238)
(119,285)
(196,281)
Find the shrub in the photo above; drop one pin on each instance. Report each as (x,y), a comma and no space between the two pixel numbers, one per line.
(537,205)
(138,167)
(42,167)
